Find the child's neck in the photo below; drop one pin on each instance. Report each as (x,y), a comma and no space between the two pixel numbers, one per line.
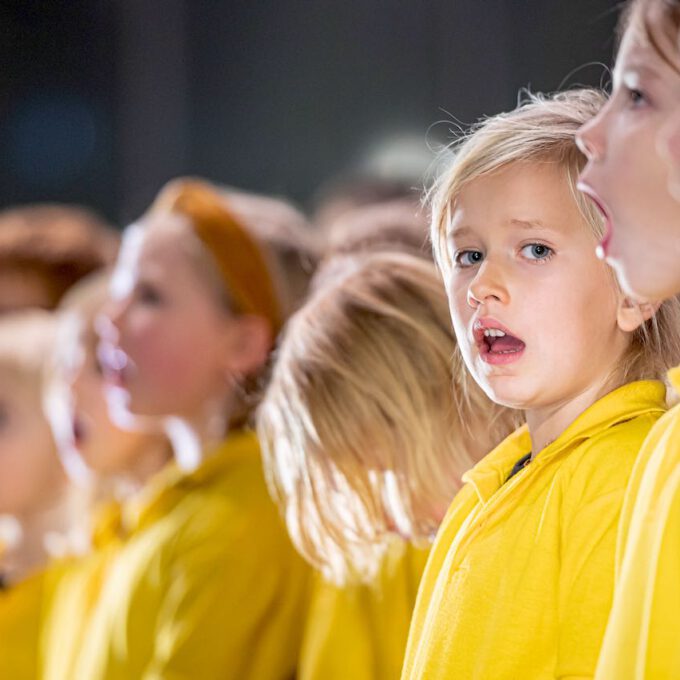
(154,455)
(548,423)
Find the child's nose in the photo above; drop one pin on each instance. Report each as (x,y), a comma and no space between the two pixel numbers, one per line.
(107,323)
(590,139)
(487,286)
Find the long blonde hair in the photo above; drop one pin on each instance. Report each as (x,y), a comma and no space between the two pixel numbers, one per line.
(542,129)
(365,433)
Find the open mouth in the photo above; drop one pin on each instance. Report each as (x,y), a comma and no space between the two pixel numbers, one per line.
(603,247)
(78,430)
(496,344)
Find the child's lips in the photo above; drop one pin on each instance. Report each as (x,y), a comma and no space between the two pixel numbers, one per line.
(114,362)
(78,431)
(497,345)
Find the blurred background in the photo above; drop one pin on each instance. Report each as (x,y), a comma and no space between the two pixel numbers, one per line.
(101,101)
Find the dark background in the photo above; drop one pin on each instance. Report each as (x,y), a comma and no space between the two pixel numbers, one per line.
(101,101)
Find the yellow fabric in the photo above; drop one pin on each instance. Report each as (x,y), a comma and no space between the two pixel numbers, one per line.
(20,611)
(198,580)
(74,591)
(520,579)
(360,631)
(642,635)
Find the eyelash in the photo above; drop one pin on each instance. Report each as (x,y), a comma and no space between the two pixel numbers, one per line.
(536,260)
(548,257)
(148,295)
(636,97)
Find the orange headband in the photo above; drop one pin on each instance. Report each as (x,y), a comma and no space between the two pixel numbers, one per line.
(240,260)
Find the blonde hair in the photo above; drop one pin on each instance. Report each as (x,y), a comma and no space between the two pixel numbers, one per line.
(365,433)
(659,21)
(542,129)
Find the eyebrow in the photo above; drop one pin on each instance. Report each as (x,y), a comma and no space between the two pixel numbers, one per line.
(636,68)
(523,224)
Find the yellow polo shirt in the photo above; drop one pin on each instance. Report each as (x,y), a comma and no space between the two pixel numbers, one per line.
(199,581)
(519,582)
(642,641)
(359,632)
(20,611)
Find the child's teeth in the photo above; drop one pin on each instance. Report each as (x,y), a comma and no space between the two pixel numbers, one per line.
(493,333)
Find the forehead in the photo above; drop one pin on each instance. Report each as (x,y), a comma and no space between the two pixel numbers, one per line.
(529,192)
(157,244)
(650,42)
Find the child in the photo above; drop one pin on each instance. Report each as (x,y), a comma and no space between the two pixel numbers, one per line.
(45,249)
(202,581)
(93,450)
(365,440)
(104,461)
(519,581)
(33,489)
(628,181)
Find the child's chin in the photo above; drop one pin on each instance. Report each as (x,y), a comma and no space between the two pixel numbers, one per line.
(650,284)
(510,396)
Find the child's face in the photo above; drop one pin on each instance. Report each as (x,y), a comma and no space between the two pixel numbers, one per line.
(668,145)
(88,432)
(626,175)
(164,349)
(524,264)
(30,474)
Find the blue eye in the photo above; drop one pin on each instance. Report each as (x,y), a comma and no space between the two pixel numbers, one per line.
(537,251)
(469,258)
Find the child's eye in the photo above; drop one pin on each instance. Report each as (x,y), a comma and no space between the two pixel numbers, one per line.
(468,258)
(636,97)
(537,251)
(148,294)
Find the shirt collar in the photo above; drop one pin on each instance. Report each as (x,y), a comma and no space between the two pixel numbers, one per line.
(624,403)
(115,520)
(674,378)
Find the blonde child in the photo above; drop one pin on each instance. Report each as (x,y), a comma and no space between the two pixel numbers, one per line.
(106,463)
(519,581)
(365,439)
(33,488)
(628,179)
(201,581)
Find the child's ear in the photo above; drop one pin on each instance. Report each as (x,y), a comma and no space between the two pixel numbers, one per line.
(631,315)
(247,343)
